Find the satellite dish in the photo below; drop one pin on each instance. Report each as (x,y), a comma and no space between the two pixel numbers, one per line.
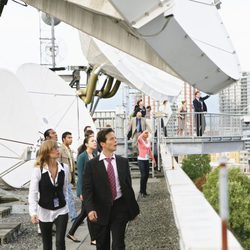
(18,128)
(48,19)
(55,102)
(138,74)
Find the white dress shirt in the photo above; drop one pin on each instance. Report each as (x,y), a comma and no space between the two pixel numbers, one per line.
(117,182)
(46,215)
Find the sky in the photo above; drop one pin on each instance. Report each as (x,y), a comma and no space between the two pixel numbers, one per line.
(19,37)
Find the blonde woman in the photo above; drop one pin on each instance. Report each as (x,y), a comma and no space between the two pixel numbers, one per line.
(48,195)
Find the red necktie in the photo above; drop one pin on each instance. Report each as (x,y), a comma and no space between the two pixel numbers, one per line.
(111,176)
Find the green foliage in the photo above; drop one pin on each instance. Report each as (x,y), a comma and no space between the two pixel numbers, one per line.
(239,201)
(196,166)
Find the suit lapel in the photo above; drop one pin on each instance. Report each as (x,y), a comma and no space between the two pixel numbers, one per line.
(119,169)
(102,169)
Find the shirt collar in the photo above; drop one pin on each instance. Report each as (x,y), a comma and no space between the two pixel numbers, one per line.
(102,156)
(60,167)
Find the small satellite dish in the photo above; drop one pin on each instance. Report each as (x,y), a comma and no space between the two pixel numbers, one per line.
(48,19)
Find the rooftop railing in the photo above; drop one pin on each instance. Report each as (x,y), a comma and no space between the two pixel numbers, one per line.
(197,124)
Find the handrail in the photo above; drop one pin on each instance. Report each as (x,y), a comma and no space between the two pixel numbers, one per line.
(210,124)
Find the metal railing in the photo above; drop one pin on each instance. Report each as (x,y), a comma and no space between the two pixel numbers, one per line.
(196,124)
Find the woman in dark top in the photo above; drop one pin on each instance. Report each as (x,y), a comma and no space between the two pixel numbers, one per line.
(48,195)
(139,107)
(85,153)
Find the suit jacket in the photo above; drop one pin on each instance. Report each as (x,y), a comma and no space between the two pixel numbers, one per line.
(97,193)
(197,104)
(133,127)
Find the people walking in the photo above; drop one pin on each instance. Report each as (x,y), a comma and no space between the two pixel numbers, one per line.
(109,197)
(48,195)
(200,107)
(143,160)
(66,156)
(86,152)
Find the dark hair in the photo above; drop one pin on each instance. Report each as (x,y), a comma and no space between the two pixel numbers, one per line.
(83,147)
(148,107)
(138,102)
(88,133)
(196,92)
(86,128)
(64,135)
(46,133)
(101,135)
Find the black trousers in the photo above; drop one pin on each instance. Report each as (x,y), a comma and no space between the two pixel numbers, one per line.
(164,128)
(144,169)
(200,124)
(79,219)
(46,230)
(117,226)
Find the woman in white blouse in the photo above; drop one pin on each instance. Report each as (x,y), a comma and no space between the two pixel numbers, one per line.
(48,195)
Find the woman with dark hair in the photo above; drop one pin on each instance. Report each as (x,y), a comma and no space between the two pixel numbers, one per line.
(48,195)
(139,107)
(85,153)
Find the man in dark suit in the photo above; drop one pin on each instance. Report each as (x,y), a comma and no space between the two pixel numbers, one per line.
(200,106)
(108,194)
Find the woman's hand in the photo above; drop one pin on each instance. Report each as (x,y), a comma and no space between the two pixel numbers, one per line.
(34,219)
(153,163)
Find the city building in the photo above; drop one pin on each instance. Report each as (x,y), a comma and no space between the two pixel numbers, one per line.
(236,100)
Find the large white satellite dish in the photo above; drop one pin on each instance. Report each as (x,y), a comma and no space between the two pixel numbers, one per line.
(189,36)
(56,104)
(150,80)
(18,129)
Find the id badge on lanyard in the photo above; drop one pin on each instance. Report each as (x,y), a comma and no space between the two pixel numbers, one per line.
(56,199)
(56,202)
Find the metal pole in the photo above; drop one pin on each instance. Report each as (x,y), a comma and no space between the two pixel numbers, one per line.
(53,42)
(223,197)
(126,115)
(40,33)
(153,143)
(158,142)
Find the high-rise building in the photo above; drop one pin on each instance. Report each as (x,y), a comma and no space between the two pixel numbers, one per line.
(236,100)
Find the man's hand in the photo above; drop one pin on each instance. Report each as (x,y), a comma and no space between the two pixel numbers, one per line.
(81,197)
(92,215)
(34,219)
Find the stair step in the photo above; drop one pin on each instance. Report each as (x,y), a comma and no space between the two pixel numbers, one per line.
(9,232)
(5,211)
